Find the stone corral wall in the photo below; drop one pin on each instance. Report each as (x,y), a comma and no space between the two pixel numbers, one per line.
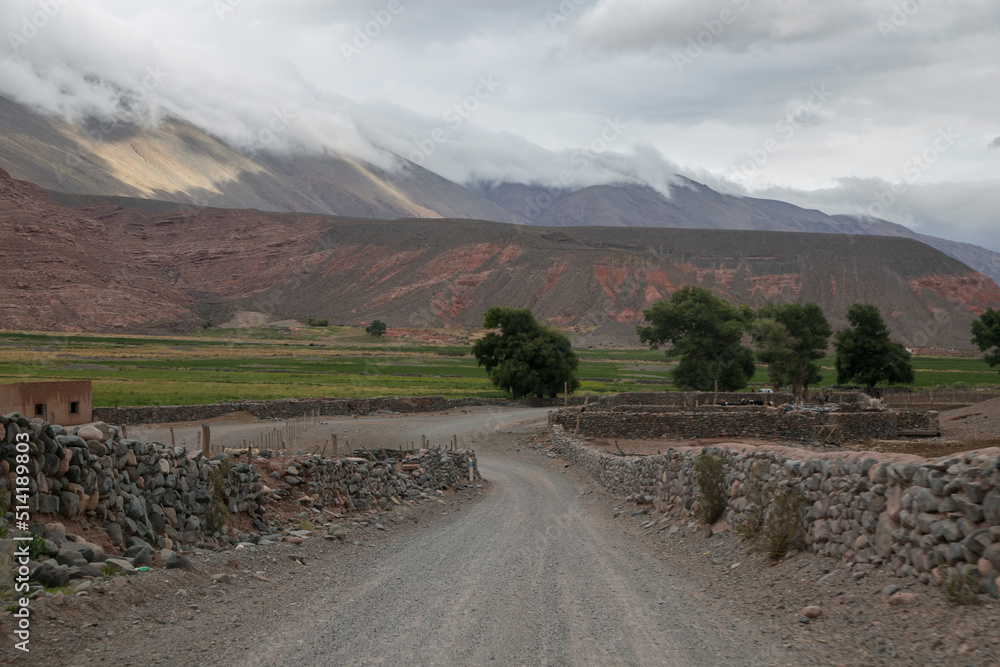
(359,484)
(689,399)
(904,517)
(926,420)
(147,490)
(163,496)
(800,425)
(287,408)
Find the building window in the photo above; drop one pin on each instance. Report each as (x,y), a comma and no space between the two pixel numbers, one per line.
(39,409)
(74,407)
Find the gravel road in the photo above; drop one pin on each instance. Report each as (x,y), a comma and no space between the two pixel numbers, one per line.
(528,575)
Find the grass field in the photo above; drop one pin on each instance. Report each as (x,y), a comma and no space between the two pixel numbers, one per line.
(335,362)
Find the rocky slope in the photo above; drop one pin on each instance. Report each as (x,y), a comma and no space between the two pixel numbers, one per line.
(695,206)
(179,163)
(104,267)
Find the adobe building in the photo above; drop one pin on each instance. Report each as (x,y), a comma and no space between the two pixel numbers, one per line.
(64,403)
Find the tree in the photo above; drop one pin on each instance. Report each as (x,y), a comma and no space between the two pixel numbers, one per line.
(986,335)
(376,329)
(525,358)
(866,355)
(773,344)
(705,332)
(316,322)
(790,337)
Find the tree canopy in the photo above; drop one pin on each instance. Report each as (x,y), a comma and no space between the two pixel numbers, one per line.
(866,355)
(376,329)
(705,332)
(986,335)
(790,337)
(525,357)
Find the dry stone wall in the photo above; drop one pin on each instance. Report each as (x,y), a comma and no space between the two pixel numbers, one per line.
(355,483)
(715,422)
(690,399)
(286,408)
(164,496)
(907,518)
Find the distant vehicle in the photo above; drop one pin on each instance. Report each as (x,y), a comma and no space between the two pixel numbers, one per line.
(765,390)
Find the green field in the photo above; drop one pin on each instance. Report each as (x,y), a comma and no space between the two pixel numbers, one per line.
(336,362)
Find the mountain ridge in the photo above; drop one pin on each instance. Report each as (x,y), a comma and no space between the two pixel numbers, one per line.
(104,267)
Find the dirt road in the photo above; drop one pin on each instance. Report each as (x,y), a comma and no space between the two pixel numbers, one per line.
(528,575)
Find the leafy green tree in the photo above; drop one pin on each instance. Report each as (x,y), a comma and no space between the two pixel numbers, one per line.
(773,344)
(525,358)
(866,355)
(790,338)
(376,329)
(986,335)
(705,332)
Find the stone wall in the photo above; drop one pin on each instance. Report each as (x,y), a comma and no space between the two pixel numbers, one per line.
(163,495)
(926,420)
(287,408)
(904,517)
(147,490)
(355,483)
(735,422)
(690,399)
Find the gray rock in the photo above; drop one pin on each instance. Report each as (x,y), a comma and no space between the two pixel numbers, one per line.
(69,504)
(114,532)
(71,558)
(178,561)
(50,576)
(48,504)
(83,548)
(991,507)
(121,565)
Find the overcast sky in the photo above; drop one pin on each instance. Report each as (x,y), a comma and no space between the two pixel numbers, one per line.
(831,105)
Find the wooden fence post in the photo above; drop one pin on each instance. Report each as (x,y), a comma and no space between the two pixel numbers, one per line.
(206,440)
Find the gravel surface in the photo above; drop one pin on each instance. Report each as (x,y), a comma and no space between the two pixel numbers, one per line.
(539,567)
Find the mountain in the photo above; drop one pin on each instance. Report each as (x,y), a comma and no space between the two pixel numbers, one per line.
(106,267)
(178,162)
(692,205)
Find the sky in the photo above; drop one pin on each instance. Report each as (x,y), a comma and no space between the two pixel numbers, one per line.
(889,108)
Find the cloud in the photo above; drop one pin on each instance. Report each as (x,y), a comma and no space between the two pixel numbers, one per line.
(359,79)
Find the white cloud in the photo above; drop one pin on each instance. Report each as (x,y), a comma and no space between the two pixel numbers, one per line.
(234,72)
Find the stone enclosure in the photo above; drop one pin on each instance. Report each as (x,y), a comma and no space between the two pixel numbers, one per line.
(913,519)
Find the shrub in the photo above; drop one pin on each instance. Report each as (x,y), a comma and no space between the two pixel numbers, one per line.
(316,322)
(711,474)
(783,529)
(773,522)
(962,587)
(218,512)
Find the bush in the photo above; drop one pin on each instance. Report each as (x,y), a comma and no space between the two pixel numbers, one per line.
(773,522)
(962,587)
(711,474)
(218,512)
(376,329)
(316,322)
